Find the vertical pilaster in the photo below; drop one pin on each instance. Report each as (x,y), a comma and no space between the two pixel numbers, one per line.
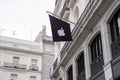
(105,34)
(87,63)
(74,71)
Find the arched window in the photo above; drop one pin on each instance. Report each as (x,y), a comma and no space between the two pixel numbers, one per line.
(96,47)
(81,67)
(96,55)
(70,73)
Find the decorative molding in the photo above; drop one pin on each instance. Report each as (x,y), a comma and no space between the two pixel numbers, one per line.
(13,49)
(61,71)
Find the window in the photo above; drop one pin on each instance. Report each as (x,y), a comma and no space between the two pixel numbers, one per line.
(96,48)
(96,55)
(32,77)
(13,77)
(15,60)
(80,63)
(81,67)
(115,26)
(34,63)
(70,73)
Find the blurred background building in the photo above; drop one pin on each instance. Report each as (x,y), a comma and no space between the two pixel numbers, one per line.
(48,50)
(94,52)
(26,60)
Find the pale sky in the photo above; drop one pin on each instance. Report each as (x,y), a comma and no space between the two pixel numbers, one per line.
(24,17)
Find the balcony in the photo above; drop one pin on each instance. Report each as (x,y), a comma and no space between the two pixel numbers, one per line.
(13,65)
(34,68)
(65,8)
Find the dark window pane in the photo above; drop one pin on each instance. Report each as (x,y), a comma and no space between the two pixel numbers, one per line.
(70,73)
(96,47)
(114,26)
(80,63)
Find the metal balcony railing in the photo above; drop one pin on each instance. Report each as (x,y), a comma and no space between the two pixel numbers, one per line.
(115,48)
(97,65)
(81,76)
(13,65)
(65,8)
(35,68)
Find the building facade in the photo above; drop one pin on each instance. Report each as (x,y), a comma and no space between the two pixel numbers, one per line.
(48,49)
(94,52)
(25,60)
(20,60)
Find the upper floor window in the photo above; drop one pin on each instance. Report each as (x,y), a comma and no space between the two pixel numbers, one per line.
(96,47)
(34,62)
(80,63)
(115,26)
(96,55)
(32,77)
(70,73)
(15,60)
(13,77)
(81,67)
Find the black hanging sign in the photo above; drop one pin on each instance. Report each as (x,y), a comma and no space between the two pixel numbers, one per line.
(60,29)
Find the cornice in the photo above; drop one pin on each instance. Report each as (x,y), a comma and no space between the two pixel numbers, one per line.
(13,49)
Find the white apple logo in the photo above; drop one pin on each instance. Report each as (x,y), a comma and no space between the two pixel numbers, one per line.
(61,32)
